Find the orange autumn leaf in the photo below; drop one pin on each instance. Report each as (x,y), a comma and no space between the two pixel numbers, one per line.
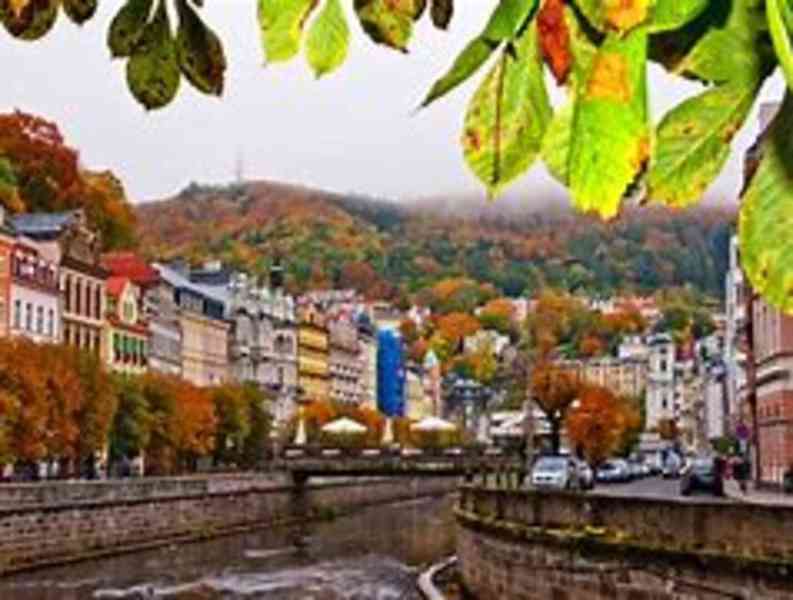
(555,39)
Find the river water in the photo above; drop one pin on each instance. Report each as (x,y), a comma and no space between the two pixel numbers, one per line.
(374,554)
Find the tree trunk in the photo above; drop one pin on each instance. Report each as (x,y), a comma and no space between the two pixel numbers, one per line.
(556,436)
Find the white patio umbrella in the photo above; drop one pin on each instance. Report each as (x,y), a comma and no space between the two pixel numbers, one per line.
(344,425)
(433,424)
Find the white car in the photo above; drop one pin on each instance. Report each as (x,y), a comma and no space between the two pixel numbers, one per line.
(555,472)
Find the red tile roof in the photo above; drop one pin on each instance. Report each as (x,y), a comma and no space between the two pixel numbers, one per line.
(130,265)
(115,285)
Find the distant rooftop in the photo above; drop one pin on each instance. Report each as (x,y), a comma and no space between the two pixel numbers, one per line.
(44,225)
(178,280)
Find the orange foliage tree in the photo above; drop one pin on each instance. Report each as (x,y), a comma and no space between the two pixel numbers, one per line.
(498,314)
(598,423)
(553,390)
(49,179)
(193,423)
(456,326)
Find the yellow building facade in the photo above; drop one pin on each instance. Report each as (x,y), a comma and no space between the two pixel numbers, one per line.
(313,366)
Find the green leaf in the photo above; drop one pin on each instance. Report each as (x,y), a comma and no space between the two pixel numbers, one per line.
(29,20)
(508,116)
(504,23)
(508,19)
(200,52)
(734,46)
(780,36)
(153,69)
(669,15)
(389,22)
(766,216)
(610,125)
(80,11)
(328,39)
(556,144)
(441,13)
(693,142)
(281,23)
(127,27)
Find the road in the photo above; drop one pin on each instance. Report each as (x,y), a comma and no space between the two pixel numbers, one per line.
(654,487)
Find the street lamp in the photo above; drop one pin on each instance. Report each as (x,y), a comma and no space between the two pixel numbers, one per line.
(301,401)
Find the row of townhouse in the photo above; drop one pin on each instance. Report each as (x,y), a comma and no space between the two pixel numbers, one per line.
(207,325)
(758,358)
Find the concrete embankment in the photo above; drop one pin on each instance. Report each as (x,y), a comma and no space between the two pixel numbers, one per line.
(55,523)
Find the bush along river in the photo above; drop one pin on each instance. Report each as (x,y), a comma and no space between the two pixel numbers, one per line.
(373,554)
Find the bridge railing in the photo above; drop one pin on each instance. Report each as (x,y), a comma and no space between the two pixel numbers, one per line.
(379,452)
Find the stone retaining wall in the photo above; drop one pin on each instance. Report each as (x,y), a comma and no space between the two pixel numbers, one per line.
(14,495)
(123,520)
(526,545)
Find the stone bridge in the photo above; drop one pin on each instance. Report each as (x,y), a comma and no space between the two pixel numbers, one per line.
(304,462)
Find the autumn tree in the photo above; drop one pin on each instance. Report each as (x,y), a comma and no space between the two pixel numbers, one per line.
(553,390)
(66,398)
(233,412)
(409,331)
(47,177)
(598,423)
(498,314)
(193,424)
(25,395)
(457,326)
(45,168)
(98,407)
(256,442)
(133,421)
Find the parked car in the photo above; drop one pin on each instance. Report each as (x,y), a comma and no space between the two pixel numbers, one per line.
(702,474)
(635,470)
(555,472)
(586,478)
(613,471)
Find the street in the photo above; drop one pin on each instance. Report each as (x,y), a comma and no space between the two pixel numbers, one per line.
(654,487)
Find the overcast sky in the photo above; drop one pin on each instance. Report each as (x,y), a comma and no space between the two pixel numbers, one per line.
(353,131)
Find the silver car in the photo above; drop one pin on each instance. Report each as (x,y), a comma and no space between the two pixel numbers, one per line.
(555,472)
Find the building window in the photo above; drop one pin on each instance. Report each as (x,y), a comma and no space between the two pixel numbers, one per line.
(17,314)
(39,319)
(67,292)
(88,311)
(98,303)
(129,312)
(78,297)
(29,316)
(51,323)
